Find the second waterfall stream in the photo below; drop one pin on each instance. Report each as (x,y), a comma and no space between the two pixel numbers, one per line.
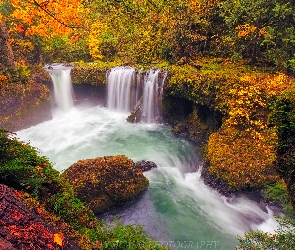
(126,88)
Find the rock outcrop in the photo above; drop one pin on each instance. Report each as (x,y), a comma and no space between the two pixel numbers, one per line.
(136,113)
(105,181)
(145,165)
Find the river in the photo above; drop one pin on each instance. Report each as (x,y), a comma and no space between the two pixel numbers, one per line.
(177,209)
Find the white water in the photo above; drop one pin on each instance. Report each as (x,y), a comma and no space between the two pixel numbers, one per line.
(61,78)
(178,206)
(124,92)
(150,104)
(120,81)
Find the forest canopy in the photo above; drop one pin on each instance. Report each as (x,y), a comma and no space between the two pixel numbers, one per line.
(142,31)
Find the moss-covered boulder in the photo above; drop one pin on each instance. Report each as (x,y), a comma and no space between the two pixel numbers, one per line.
(105,181)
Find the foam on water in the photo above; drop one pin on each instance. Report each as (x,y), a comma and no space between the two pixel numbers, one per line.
(178,206)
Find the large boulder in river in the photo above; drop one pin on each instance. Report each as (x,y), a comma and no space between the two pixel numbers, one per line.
(105,181)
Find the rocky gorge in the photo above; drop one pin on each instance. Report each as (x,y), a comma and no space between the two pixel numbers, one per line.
(207,104)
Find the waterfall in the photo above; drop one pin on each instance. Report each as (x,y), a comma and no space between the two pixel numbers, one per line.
(128,90)
(61,77)
(162,88)
(150,103)
(120,82)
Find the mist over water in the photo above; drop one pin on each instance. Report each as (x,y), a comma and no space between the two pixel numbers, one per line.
(177,207)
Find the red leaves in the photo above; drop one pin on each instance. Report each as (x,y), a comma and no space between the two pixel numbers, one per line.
(23,228)
(20,27)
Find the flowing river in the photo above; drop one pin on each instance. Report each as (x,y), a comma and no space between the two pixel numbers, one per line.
(178,209)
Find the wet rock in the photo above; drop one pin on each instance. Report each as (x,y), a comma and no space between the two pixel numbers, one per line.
(145,165)
(216,183)
(136,113)
(105,181)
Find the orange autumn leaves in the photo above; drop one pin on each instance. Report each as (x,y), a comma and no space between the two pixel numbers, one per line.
(48,18)
(243,150)
(58,238)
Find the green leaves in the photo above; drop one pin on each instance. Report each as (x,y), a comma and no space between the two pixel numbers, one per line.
(22,168)
(282,239)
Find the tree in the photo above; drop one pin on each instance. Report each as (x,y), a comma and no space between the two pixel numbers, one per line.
(260,30)
(148,30)
(283,117)
(33,27)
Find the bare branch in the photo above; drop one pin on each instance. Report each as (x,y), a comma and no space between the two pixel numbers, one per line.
(53,16)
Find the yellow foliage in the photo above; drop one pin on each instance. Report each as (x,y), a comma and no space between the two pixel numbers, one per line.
(248,99)
(246,30)
(95,40)
(241,158)
(3,80)
(243,150)
(26,46)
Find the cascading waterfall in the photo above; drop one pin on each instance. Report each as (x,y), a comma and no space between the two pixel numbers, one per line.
(177,208)
(61,77)
(120,81)
(124,92)
(162,88)
(150,104)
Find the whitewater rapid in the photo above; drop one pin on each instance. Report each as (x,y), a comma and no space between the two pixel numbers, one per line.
(178,207)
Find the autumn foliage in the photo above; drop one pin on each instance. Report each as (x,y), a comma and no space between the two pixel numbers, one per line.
(47,18)
(242,150)
(23,228)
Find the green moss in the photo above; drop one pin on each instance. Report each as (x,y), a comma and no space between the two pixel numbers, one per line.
(90,73)
(23,169)
(278,192)
(104,181)
(95,72)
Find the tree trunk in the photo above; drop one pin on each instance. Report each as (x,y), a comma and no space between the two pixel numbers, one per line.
(7,48)
(291,193)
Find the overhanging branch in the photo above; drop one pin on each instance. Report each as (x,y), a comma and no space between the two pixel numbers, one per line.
(53,16)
